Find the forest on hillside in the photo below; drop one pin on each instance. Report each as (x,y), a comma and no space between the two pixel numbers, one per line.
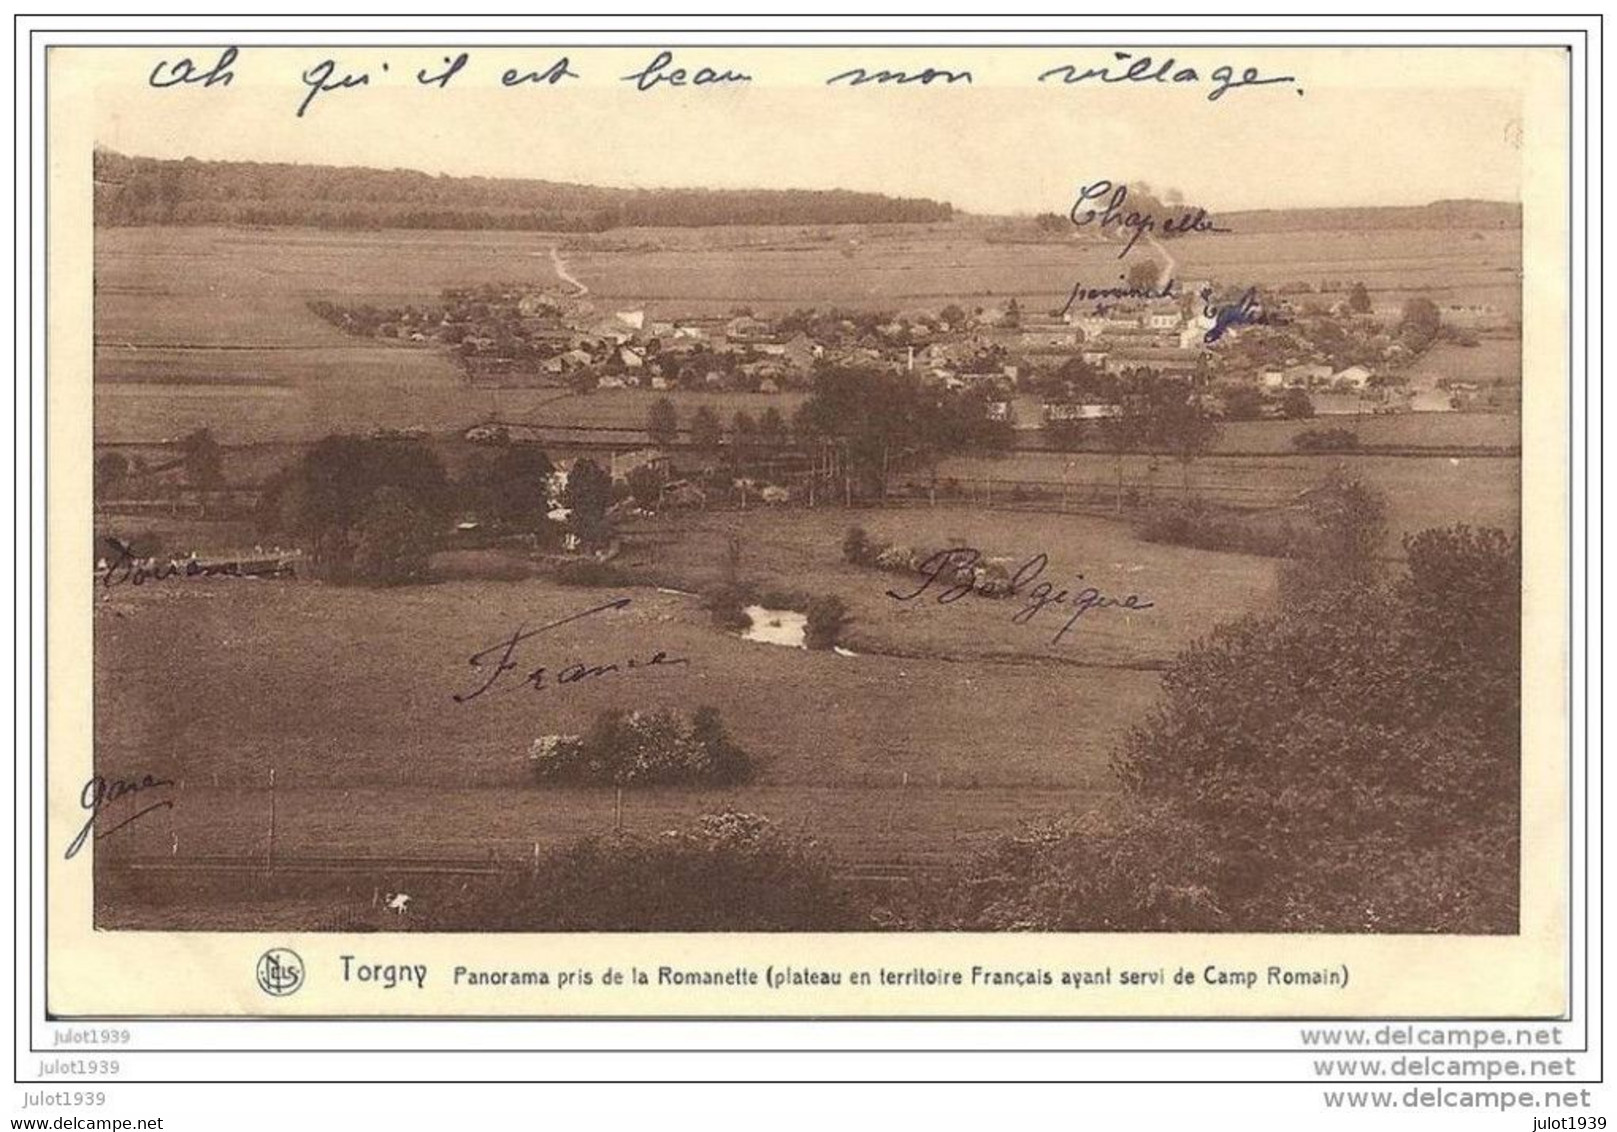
(147,191)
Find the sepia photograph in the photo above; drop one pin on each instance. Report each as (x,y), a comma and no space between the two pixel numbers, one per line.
(645,499)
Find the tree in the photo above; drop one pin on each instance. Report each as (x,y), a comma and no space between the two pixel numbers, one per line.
(1143,275)
(827,617)
(1013,315)
(393,542)
(1359,299)
(1125,431)
(111,470)
(743,432)
(587,496)
(1348,521)
(1182,426)
(1064,435)
(646,485)
(705,429)
(1420,324)
(323,497)
(857,549)
(662,422)
(771,428)
(582,380)
(515,486)
(954,316)
(1356,760)
(1243,403)
(1296,405)
(727,763)
(204,459)
(1083,379)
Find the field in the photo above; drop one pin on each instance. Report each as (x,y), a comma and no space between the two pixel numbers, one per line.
(347,694)
(1421,491)
(948,725)
(187,316)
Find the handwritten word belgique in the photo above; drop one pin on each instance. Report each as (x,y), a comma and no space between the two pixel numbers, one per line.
(540,678)
(664,69)
(952,571)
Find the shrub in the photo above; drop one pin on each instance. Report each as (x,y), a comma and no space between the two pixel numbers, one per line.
(1325,440)
(1207,527)
(1296,405)
(393,541)
(1352,754)
(642,749)
(726,872)
(827,617)
(589,572)
(857,548)
(726,602)
(480,566)
(646,484)
(728,764)
(896,558)
(1135,868)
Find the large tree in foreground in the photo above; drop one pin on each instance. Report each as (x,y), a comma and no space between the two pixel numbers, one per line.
(1349,762)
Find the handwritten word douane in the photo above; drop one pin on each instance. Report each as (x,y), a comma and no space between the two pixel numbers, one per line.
(665,70)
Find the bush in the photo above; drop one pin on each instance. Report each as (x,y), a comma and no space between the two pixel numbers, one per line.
(1207,527)
(827,617)
(393,541)
(857,548)
(1352,753)
(726,602)
(1296,405)
(1325,440)
(480,566)
(642,749)
(589,572)
(1135,868)
(728,872)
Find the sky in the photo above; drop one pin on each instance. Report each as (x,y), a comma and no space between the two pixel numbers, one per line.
(1352,128)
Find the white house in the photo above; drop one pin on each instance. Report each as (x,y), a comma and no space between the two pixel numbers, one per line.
(1354,377)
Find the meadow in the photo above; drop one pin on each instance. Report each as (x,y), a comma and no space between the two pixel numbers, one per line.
(949,725)
(1420,491)
(936,734)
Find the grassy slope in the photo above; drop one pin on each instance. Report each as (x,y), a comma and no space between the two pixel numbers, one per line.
(347,693)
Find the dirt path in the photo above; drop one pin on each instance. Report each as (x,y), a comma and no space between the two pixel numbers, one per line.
(565,275)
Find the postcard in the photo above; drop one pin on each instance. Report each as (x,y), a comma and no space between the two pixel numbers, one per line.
(565,531)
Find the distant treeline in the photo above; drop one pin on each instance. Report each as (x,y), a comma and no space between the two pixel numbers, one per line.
(1473,214)
(143,190)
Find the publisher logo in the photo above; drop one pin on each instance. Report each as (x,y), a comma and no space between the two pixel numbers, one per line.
(280,972)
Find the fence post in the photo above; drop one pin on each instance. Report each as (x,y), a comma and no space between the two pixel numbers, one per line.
(269,856)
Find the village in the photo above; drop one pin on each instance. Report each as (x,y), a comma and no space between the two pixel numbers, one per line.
(1294,353)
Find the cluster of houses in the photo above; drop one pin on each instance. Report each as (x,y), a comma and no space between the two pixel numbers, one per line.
(1341,358)
(509,335)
